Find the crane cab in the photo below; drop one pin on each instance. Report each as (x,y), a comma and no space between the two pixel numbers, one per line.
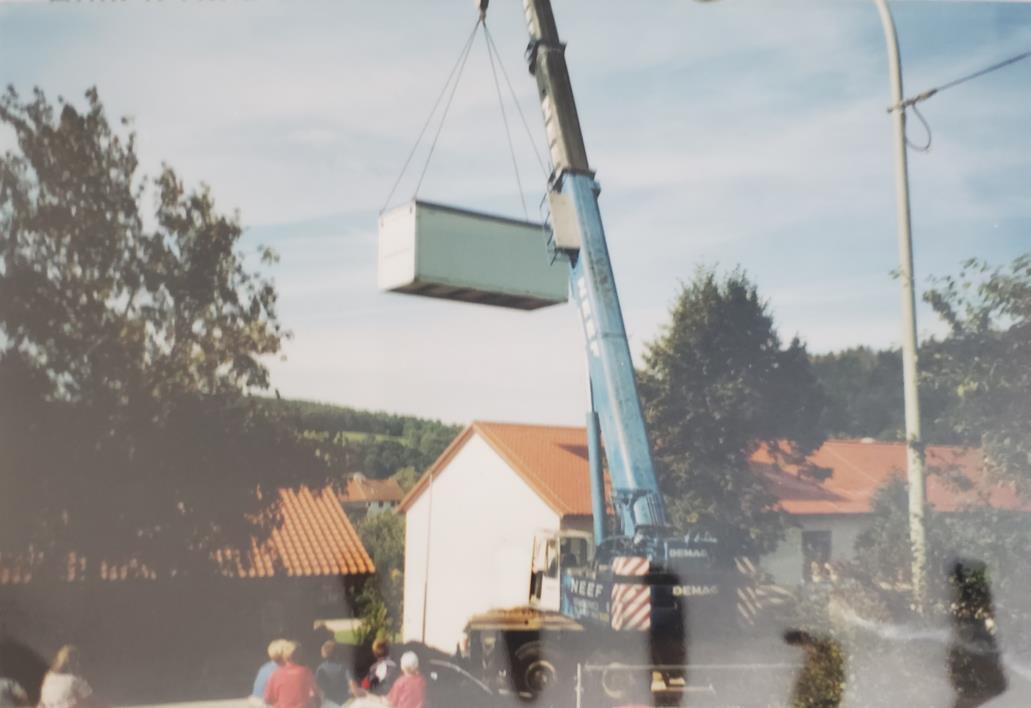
(556,553)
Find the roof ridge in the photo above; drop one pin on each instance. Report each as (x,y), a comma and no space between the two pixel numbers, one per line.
(528,425)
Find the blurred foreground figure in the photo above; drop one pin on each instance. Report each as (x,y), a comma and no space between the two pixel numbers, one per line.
(973,663)
(821,680)
(63,686)
(275,660)
(292,685)
(20,668)
(12,695)
(409,691)
(332,677)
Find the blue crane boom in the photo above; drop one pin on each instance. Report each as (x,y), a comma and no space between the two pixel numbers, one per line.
(578,233)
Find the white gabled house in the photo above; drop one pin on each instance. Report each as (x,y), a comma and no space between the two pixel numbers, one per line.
(470,521)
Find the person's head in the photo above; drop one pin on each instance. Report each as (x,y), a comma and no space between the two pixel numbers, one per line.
(66,661)
(275,650)
(409,662)
(329,650)
(291,651)
(381,648)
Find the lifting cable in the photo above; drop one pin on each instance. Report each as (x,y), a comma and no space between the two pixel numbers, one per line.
(459,67)
(515,99)
(504,119)
(453,79)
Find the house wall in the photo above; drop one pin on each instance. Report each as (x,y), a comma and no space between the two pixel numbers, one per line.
(785,563)
(468,540)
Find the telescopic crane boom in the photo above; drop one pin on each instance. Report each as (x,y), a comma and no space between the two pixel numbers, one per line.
(578,233)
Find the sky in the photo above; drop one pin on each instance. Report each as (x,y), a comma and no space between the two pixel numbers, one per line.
(724,134)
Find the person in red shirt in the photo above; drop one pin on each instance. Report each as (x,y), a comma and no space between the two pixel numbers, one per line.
(409,691)
(291,685)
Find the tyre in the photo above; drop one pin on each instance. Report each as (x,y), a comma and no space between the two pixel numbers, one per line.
(539,674)
(615,683)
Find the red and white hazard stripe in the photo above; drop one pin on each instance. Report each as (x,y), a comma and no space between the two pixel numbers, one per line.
(631,605)
(754,597)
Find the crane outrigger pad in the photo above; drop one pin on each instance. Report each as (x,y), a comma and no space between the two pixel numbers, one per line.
(444,252)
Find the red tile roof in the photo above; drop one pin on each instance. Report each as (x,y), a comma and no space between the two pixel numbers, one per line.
(857,468)
(362,490)
(311,536)
(553,462)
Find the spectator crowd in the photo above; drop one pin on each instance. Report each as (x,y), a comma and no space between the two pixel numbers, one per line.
(284,681)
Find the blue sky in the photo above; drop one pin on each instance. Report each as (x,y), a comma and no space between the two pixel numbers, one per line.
(727,133)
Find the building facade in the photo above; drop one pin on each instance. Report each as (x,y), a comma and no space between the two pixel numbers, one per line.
(471,518)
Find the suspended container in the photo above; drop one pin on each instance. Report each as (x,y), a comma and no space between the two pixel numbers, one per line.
(440,251)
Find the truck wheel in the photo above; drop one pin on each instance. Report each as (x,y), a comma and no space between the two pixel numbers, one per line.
(538,672)
(617,683)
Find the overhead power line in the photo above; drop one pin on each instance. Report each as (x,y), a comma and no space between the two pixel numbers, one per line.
(906,103)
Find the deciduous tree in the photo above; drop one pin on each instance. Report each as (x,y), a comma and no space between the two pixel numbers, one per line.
(717,384)
(985,362)
(129,339)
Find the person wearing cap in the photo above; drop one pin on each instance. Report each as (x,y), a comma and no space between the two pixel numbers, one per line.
(409,691)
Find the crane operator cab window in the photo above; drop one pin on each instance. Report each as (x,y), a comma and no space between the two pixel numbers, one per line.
(574,552)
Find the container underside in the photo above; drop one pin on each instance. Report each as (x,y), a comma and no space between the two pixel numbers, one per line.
(481,297)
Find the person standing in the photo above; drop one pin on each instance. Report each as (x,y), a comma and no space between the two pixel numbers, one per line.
(383,671)
(292,685)
(332,678)
(63,686)
(275,660)
(409,691)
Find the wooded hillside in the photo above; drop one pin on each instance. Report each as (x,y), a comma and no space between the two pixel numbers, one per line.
(375,443)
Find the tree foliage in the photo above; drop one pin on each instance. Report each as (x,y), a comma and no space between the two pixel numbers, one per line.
(984,362)
(717,383)
(128,340)
(380,600)
(374,443)
(864,394)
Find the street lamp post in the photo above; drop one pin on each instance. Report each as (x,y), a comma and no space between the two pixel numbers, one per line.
(914,445)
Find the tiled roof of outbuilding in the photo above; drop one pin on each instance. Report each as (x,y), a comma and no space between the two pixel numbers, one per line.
(311,536)
(362,490)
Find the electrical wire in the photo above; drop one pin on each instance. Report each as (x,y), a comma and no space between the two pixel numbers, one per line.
(504,119)
(926,147)
(459,62)
(905,103)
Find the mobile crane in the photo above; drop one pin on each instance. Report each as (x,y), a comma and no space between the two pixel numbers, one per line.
(592,597)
